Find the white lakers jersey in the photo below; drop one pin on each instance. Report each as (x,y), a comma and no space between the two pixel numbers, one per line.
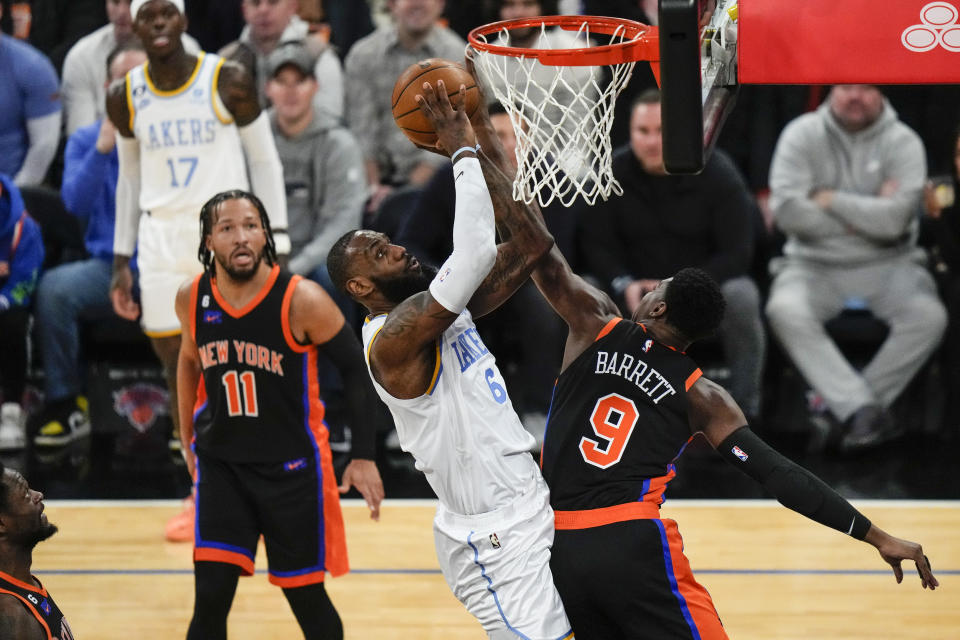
(189,145)
(463,433)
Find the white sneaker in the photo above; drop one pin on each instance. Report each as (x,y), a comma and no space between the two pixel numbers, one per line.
(13,427)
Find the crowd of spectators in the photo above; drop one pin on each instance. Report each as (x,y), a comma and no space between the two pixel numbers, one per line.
(818,201)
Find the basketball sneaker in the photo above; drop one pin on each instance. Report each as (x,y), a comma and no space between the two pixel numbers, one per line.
(180,527)
(13,428)
(65,424)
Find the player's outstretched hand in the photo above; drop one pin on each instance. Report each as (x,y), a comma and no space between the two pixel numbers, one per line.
(894,551)
(451,125)
(363,475)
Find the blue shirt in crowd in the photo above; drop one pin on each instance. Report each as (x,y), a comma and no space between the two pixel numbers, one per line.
(89,189)
(21,248)
(28,89)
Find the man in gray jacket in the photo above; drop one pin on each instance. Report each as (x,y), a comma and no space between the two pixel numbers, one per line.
(846,182)
(322,163)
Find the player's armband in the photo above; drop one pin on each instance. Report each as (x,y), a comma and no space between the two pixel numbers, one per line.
(792,485)
(474,239)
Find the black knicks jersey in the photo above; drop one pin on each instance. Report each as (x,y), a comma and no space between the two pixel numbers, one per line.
(259,398)
(618,421)
(39,603)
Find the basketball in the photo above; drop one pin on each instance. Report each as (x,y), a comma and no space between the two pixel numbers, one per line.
(406,111)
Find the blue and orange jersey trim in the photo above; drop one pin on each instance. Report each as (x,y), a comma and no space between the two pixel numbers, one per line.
(331,543)
(653,488)
(607,328)
(694,601)
(194,293)
(36,614)
(589,518)
(257,299)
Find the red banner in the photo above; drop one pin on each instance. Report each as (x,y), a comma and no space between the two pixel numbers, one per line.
(848,41)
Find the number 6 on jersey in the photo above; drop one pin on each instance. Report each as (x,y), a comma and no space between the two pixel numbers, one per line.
(613,419)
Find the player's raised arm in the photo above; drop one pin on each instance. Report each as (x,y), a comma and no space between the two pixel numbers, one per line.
(714,412)
(316,319)
(583,307)
(403,354)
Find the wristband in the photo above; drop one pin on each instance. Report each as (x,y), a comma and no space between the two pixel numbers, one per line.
(453,157)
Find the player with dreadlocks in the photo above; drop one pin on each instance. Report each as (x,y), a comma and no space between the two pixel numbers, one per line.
(251,421)
(205,254)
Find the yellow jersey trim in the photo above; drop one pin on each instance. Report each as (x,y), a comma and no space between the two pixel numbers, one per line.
(181,88)
(129,92)
(436,373)
(215,96)
(162,334)
(370,344)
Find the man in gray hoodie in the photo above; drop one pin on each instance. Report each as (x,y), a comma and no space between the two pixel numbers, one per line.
(846,182)
(322,163)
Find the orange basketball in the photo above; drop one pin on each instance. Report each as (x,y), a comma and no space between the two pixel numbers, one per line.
(406,111)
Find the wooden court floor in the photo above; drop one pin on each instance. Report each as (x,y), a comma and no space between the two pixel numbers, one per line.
(772,574)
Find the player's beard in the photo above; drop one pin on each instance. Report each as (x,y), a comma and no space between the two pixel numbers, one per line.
(38,535)
(240,275)
(399,288)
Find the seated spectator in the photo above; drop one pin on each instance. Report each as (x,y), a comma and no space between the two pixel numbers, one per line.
(374,63)
(846,182)
(322,167)
(29,112)
(272,22)
(529,333)
(84,70)
(663,223)
(80,290)
(21,256)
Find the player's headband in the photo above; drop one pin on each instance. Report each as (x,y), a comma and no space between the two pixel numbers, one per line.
(136,4)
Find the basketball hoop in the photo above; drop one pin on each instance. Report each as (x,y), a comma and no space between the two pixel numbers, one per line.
(560,105)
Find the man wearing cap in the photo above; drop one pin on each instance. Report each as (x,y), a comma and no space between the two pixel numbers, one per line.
(190,126)
(322,164)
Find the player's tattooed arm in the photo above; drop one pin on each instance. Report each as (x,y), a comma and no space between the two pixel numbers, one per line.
(239,93)
(524,240)
(404,354)
(584,308)
(16,623)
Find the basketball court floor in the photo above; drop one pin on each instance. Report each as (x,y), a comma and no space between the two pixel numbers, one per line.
(772,574)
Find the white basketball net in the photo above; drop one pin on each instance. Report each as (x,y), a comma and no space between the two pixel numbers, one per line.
(561,117)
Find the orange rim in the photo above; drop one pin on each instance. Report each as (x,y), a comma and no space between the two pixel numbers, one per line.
(641,41)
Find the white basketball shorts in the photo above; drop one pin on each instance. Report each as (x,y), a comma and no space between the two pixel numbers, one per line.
(498,565)
(167,257)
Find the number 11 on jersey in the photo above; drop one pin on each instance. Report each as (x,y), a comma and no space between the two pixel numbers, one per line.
(237,405)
